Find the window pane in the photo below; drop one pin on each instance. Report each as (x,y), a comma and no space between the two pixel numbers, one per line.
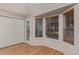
(39,28)
(28,30)
(69,26)
(52,27)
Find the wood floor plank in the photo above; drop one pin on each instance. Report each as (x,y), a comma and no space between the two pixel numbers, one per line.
(27,49)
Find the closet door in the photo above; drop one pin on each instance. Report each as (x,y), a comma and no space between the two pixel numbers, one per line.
(69,26)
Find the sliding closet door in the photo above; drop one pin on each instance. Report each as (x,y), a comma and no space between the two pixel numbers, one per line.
(69,26)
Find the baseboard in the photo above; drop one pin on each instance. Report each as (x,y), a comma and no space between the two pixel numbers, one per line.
(12,45)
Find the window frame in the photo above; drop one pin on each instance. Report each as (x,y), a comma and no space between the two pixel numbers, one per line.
(68,25)
(53,33)
(36,30)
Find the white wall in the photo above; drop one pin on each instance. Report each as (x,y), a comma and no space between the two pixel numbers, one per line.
(11,31)
(59,44)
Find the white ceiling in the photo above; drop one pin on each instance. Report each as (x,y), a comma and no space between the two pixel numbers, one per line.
(14,8)
(26,9)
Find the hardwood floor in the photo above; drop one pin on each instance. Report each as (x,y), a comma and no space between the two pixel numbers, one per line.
(27,49)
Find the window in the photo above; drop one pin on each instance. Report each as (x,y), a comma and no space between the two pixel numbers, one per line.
(69,26)
(28,30)
(39,27)
(52,27)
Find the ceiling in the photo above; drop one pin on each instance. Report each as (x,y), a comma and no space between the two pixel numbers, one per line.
(27,9)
